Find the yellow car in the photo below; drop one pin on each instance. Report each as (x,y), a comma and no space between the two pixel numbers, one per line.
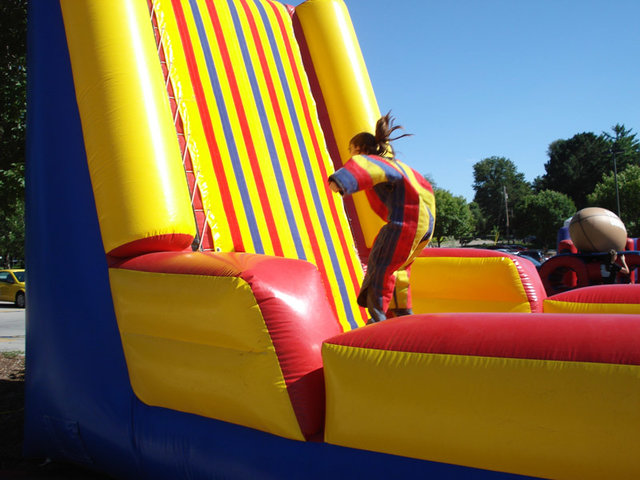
(12,287)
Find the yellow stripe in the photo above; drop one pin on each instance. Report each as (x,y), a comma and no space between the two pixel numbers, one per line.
(427,199)
(342,228)
(126,122)
(318,180)
(375,171)
(231,40)
(192,124)
(263,154)
(225,369)
(213,107)
(450,284)
(197,141)
(555,306)
(272,57)
(345,84)
(547,419)
(265,157)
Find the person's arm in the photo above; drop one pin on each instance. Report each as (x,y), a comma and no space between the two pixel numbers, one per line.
(359,173)
(625,268)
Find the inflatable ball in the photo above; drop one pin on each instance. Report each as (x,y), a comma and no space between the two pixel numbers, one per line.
(597,230)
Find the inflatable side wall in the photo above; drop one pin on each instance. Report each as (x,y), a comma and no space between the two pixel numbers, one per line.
(151,356)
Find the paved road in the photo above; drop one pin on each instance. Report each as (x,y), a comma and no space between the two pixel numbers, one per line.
(12,327)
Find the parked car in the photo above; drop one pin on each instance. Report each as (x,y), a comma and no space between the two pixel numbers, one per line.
(536,254)
(532,260)
(12,287)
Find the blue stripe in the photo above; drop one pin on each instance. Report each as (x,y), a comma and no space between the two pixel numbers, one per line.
(266,129)
(430,228)
(307,165)
(345,180)
(228,133)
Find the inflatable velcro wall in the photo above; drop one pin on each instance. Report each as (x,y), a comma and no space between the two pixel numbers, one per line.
(234,102)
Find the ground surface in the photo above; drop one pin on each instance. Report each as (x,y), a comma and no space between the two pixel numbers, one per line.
(12,464)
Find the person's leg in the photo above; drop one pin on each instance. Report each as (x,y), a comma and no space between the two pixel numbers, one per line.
(374,307)
(377,287)
(400,304)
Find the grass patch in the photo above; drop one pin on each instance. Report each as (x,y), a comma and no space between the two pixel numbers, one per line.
(12,354)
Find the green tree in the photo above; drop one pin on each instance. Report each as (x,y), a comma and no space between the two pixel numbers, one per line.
(499,187)
(12,236)
(542,214)
(623,146)
(575,166)
(479,222)
(13,33)
(453,218)
(604,195)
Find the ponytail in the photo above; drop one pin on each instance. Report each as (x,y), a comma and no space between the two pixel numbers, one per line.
(378,144)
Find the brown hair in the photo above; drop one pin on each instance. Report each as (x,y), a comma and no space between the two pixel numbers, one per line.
(378,144)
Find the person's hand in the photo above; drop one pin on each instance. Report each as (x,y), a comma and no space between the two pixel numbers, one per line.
(334,187)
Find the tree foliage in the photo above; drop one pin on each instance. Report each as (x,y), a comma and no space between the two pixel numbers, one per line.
(576,165)
(493,177)
(12,236)
(453,218)
(13,33)
(479,222)
(604,195)
(623,146)
(543,213)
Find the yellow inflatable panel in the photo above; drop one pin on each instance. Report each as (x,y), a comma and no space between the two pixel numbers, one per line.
(464,284)
(221,363)
(505,414)
(345,84)
(555,306)
(132,149)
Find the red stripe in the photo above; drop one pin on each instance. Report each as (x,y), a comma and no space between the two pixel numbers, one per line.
(208,126)
(306,214)
(537,336)
(246,131)
(316,146)
(360,174)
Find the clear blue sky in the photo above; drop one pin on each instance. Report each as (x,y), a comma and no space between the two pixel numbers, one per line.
(477,78)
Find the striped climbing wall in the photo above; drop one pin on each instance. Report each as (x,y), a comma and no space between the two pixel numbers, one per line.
(251,138)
